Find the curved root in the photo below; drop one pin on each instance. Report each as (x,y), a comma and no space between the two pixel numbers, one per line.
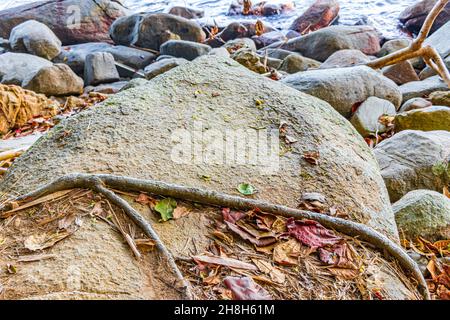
(100,182)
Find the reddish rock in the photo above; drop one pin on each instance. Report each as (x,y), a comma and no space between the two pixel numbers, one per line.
(414,16)
(73,21)
(320,15)
(401,73)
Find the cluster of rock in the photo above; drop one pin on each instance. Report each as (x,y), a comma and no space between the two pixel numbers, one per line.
(313,57)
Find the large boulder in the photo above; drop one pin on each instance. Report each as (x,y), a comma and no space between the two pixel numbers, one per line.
(414,16)
(323,43)
(148,132)
(321,14)
(345,88)
(152,30)
(425,119)
(413,160)
(423,213)
(73,21)
(439,39)
(16,67)
(35,38)
(217,94)
(345,58)
(56,80)
(75,56)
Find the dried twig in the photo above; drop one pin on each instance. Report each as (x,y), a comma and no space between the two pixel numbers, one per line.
(417,49)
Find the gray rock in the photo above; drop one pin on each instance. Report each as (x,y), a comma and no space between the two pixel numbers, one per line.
(133,83)
(271,62)
(401,73)
(238,29)
(35,38)
(414,16)
(439,40)
(75,55)
(423,213)
(108,88)
(321,44)
(100,68)
(333,86)
(426,119)
(221,52)
(295,63)
(56,80)
(412,160)
(152,30)
(16,67)
(366,119)
(276,53)
(429,72)
(184,49)
(268,38)
(392,46)
(345,58)
(418,89)
(236,44)
(415,103)
(187,12)
(250,60)
(162,66)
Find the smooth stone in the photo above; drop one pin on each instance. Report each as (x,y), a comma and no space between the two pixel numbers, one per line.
(35,38)
(366,119)
(332,85)
(56,80)
(184,49)
(394,45)
(294,63)
(321,44)
(415,103)
(439,39)
(425,119)
(440,98)
(277,53)
(187,12)
(274,36)
(162,66)
(345,58)
(16,67)
(412,160)
(419,89)
(237,29)
(100,68)
(423,213)
(401,73)
(250,60)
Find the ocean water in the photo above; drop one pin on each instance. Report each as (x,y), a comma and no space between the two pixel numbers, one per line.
(382,14)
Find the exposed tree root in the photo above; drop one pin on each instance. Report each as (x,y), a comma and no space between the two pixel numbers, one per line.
(100,182)
(416,48)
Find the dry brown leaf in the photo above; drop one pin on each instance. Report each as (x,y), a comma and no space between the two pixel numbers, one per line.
(286,253)
(266,267)
(145,245)
(312,157)
(346,274)
(43,241)
(222,261)
(180,212)
(222,236)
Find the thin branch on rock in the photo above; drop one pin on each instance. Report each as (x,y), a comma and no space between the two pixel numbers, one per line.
(416,49)
(101,181)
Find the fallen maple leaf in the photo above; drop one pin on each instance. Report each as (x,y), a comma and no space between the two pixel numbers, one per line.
(311,233)
(232,216)
(244,288)
(287,253)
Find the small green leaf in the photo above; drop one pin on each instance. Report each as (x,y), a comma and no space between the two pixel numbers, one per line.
(165,208)
(246,189)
